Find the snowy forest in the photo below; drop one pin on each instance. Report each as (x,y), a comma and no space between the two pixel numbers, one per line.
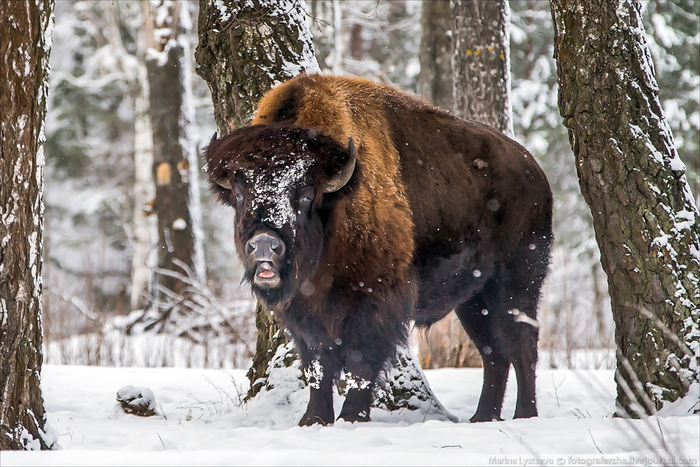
(139,276)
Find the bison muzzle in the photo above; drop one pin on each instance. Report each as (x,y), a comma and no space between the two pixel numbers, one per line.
(360,208)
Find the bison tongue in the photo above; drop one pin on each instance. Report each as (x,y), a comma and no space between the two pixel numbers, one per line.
(265,271)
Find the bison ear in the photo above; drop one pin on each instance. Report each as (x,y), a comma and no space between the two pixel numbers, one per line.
(223,182)
(340,179)
(211,144)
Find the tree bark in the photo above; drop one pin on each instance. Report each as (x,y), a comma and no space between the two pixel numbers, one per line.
(435,77)
(174,155)
(481,62)
(24,63)
(245,48)
(646,223)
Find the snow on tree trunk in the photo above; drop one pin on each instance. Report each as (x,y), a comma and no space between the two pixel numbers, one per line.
(24,64)
(646,222)
(481,62)
(245,48)
(144,229)
(174,154)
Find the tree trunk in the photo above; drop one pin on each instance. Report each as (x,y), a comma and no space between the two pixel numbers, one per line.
(144,230)
(435,77)
(24,63)
(481,62)
(646,223)
(174,155)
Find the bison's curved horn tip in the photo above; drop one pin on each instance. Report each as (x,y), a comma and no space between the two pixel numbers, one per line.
(345,173)
(224,183)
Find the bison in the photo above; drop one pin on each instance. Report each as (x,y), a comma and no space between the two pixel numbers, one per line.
(360,208)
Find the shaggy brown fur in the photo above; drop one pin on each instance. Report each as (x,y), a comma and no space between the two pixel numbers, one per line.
(440,214)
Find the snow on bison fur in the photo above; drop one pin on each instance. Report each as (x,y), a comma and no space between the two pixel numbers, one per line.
(360,208)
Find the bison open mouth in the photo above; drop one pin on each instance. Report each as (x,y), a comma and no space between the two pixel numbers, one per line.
(266,275)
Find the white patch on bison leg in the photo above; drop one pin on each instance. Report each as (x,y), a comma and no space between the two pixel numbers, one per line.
(356,382)
(314,374)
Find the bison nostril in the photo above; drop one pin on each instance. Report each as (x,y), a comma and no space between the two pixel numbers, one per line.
(251,246)
(278,248)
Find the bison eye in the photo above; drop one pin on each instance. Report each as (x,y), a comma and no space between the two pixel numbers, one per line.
(238,193)
(306,196)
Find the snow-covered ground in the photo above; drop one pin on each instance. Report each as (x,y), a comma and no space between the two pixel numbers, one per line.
(201,422)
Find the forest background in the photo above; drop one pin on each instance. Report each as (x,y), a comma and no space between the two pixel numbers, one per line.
(91,136)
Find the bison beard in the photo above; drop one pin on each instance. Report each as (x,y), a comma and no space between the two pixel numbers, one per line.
(359,208)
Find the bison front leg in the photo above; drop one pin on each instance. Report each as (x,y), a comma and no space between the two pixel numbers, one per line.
(320,408)
(368,343)
(360,378)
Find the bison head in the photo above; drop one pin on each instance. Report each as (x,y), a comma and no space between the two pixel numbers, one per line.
(282,181)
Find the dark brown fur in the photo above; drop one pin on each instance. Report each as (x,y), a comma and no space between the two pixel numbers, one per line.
(441,214)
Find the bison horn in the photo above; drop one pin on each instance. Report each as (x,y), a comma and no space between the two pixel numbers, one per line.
(343,177)
(224,183)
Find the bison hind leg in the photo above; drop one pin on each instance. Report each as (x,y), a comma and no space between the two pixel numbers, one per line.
(477,320)
(521,282)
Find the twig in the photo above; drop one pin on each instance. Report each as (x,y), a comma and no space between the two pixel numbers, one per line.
(556,394)
(594,443)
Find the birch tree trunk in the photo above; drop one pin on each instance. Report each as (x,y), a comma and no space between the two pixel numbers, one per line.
(24,64)
(144,230)
(645,219)
(481,62)
(174,154)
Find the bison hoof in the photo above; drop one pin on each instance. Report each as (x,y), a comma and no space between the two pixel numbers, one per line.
(309,420)
(362,416)
(526,413)
(480,418)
